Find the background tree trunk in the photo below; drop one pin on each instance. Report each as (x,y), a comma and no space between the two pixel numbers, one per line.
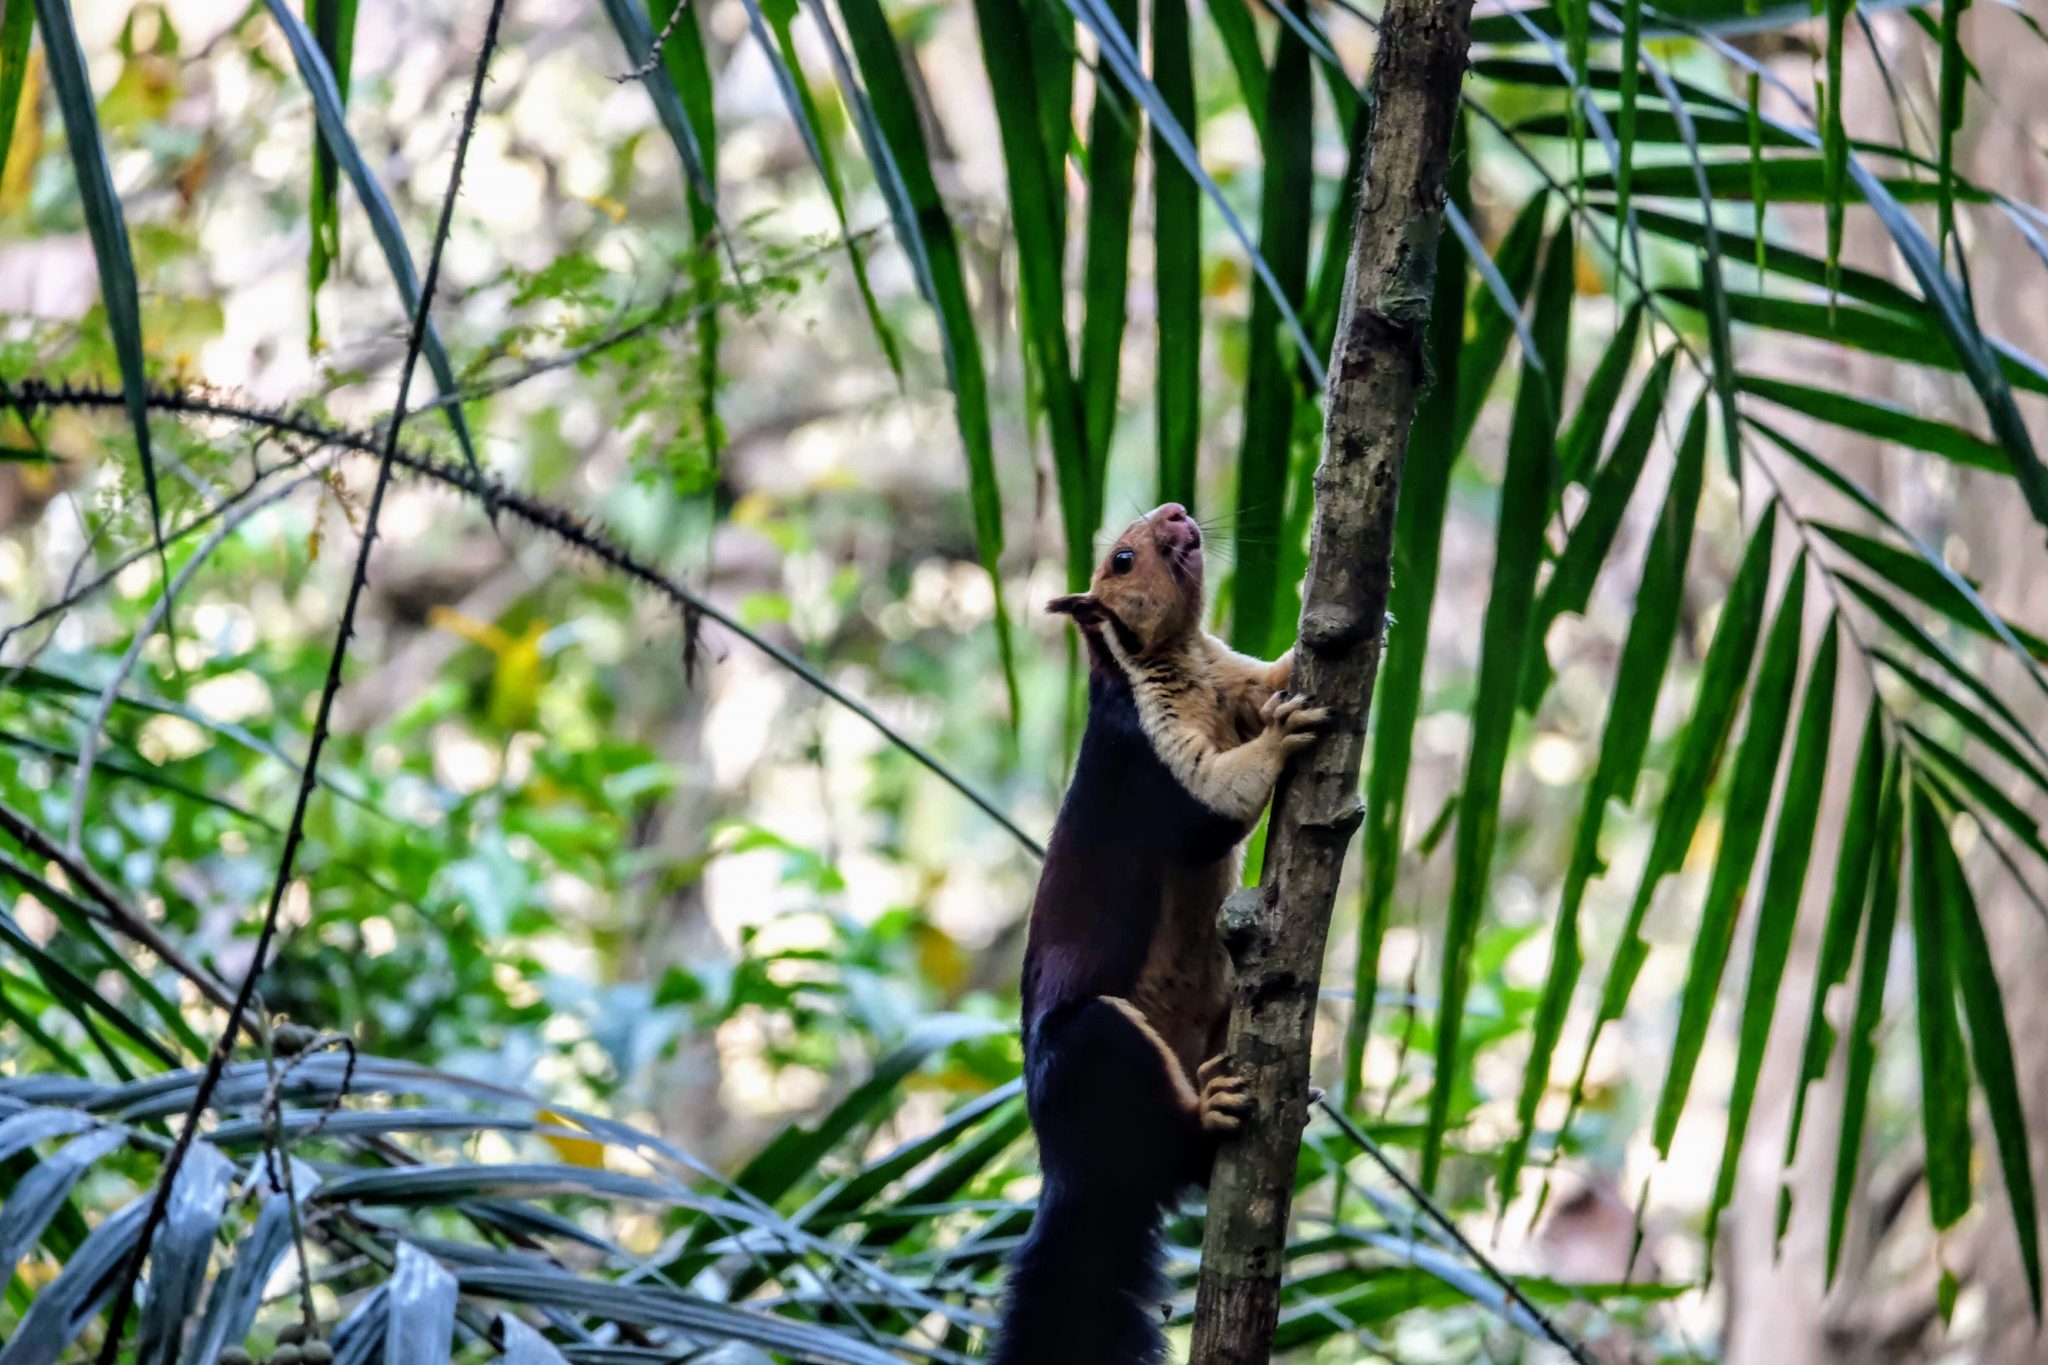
(1375,375)
(2003,554)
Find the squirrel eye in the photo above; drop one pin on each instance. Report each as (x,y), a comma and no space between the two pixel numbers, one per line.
(1122,560)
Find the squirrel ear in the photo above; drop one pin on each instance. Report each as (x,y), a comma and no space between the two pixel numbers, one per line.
(1084,607)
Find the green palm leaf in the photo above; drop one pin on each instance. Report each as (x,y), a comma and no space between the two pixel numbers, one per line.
(1983,1003)
(1722,680)
(1508,639)
(1882,914)
(330,116)
(1645,656)
(1742,827)
(103,221)
(896,147)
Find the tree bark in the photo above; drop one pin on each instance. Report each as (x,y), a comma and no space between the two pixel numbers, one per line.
(1277,934)
(2004,552)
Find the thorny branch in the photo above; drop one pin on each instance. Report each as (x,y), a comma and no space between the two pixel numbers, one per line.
(557,522)
(654,51)
(110,1347)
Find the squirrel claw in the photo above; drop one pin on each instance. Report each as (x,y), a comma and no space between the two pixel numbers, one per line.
(1292,717)
(1225,1099)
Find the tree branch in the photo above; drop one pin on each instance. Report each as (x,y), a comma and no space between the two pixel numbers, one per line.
(1374,378)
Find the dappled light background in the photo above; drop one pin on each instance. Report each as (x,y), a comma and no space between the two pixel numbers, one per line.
(575,841)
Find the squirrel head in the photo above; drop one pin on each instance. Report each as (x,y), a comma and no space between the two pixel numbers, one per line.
(1149,586)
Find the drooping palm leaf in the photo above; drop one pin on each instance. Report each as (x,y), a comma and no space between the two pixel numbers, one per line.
(1877,923)
(1266,449)
(1778,907)
(780,15)
(1105,275)
(1983,1004)
(1723,679)
(17,24)
(104,222)
(686,67)
(886,113)
(1177,262)
(329,113)
(1507,640)
(1742,827)
(334,28)
(1035,197)
(1644,657)
(1944,1067)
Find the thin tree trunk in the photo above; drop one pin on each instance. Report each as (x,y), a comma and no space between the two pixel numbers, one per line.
(2005,555)
(1375,376)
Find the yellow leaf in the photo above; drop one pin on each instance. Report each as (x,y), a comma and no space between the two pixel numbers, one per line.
(1224,278)
(481,633)
(1587,278)
(27,146)
(583,1152)
(952,1079)
(515,688)
(940,958)
(516,681)
(38,1271)
(192,175)
(752,509)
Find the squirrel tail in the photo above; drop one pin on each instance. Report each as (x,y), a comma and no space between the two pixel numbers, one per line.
(1087,1285)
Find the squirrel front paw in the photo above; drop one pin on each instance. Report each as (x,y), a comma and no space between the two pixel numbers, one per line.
(1290,721)
(1224,1100)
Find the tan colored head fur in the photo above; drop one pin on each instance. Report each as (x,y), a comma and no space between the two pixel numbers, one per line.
(1149,586)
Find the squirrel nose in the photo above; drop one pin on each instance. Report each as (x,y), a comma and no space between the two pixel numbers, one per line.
(1171,511)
